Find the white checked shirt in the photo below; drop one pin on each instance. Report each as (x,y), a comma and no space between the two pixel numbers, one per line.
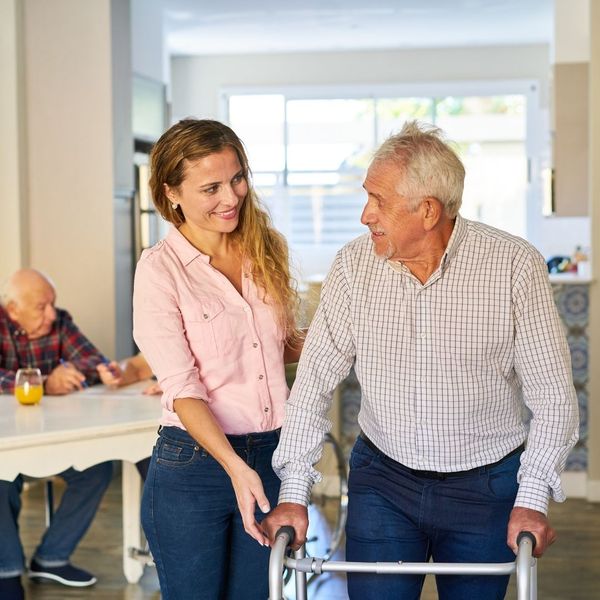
(446,368)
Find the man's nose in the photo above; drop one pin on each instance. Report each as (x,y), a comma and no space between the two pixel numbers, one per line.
(366,216)
(51,312)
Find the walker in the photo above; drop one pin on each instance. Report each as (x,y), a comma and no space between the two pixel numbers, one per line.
(525,566)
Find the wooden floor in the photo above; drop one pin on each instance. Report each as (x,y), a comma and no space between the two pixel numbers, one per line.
(569,571)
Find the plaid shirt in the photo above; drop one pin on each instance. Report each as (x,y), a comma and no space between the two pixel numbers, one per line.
(64,341)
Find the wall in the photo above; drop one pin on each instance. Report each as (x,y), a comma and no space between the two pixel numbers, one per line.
(68,103)
(148,52)
(197,81)
(13,235)
(594,139)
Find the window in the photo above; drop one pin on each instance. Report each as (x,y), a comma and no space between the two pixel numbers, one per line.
(309,152)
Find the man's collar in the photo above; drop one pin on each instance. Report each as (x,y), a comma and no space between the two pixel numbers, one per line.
(458,233)
(183,249)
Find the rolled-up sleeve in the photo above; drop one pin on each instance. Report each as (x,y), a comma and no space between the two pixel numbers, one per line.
(543,363)
(159,332)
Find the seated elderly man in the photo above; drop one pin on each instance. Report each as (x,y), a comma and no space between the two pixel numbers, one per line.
(33,332)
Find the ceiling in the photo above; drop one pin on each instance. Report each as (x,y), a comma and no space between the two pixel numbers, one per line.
(201,27)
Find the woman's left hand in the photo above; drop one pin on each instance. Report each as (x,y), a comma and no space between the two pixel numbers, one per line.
(249,492)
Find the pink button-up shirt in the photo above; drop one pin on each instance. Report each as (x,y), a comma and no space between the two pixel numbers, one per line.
(204,340)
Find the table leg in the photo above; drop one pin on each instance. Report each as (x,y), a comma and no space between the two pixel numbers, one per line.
(132,538)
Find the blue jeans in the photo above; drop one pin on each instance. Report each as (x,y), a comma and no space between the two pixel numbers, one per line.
(395,515)
(71,520)
(192,522)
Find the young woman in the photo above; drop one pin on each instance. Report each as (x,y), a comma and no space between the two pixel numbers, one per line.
(214,312)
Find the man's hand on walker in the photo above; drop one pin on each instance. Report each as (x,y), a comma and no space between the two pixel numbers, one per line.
(287,513)
(527,519)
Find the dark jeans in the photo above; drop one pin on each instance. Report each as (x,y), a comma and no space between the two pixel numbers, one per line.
(71,520)
(192,522)
(395,515)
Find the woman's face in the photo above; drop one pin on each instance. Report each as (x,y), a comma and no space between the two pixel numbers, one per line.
(212,192)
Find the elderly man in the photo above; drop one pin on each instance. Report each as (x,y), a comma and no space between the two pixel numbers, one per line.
(468,409)
(33,332)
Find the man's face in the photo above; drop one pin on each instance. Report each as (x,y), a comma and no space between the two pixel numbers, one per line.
(34,310)
(396,229)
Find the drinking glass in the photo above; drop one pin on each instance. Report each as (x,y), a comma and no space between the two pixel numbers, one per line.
(29,387)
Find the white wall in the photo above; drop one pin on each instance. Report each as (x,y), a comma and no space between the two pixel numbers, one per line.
(13,236)
(70,157)
(148,51)
(197,81)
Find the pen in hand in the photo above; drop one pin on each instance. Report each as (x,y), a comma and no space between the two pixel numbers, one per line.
(68,365)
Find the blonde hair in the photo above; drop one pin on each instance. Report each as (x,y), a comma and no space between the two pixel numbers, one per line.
(260,244)
(429,166)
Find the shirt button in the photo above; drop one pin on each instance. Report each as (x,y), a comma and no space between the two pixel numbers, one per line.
(423,335)
(261,376)
(255,345)
(205,316)
(266,409)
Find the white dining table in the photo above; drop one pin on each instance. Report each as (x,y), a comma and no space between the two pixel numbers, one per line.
(80,430)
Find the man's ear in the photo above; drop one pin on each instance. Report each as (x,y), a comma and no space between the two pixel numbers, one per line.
(12,310)
(432,211)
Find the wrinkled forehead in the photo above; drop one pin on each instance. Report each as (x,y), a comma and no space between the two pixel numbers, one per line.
(37,293)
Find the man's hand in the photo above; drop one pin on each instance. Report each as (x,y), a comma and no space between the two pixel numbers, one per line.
(64,379)
(111,374)
(527,519)
(287,513)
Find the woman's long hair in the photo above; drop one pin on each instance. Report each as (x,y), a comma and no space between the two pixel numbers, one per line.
(260,244)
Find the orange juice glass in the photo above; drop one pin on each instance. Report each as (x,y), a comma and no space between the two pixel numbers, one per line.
(29,387)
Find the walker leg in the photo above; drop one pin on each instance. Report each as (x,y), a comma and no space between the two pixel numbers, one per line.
(533,585)
(300,576)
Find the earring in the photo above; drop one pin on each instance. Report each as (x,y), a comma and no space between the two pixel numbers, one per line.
(174,205)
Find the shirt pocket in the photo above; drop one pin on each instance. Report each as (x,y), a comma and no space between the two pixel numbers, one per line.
(208,327)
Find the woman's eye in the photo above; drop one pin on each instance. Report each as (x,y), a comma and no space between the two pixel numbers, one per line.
(237,179)
(211,190)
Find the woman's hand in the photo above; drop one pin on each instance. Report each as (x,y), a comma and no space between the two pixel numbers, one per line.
(249,492)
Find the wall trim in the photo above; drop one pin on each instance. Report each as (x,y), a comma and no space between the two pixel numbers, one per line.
(593,490)
(574,484)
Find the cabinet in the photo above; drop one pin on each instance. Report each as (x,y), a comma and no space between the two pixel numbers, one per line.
(570,143)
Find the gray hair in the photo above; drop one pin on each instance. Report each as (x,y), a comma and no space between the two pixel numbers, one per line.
(429,166)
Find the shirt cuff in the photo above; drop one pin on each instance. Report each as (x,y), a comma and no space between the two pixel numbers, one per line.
(295,489)
(192,390)
(535,494)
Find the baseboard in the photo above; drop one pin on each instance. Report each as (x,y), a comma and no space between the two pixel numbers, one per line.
(574,484)
(593,490)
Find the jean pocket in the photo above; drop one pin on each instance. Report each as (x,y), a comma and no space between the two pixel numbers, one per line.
(172,454)
(502,479)
(361,456)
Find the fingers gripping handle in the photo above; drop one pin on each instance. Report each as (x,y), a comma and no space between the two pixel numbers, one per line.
(527,535)
(288,531)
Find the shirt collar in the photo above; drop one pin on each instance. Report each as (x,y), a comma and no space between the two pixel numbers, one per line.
(457,236)
(183,249)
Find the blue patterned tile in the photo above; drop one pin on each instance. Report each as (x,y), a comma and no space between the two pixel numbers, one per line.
(573,304)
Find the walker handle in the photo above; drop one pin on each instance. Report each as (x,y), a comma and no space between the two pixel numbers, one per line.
(288,531)
(530,536)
